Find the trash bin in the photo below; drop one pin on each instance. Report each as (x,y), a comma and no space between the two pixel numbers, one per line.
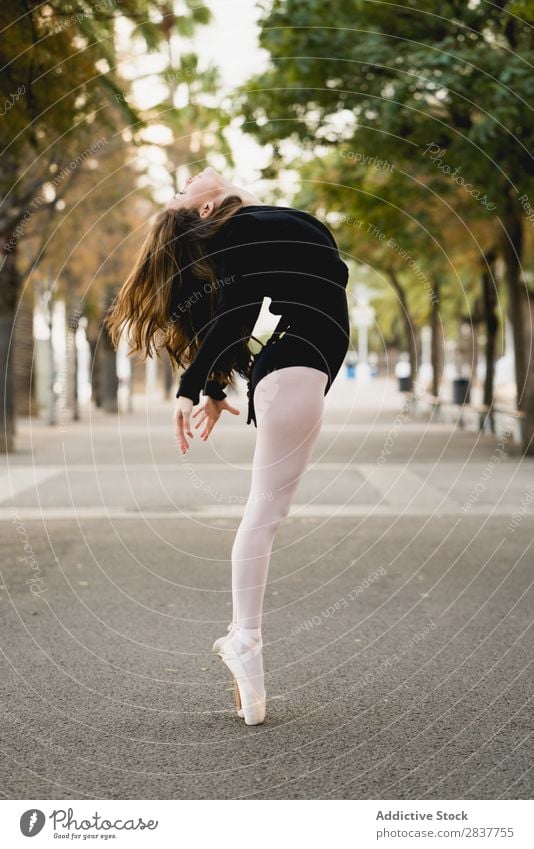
(405,383)
(461,391)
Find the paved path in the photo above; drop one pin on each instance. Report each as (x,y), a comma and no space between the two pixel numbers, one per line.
(397,616)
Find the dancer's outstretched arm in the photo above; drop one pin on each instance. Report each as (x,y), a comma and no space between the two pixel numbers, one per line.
(234,311)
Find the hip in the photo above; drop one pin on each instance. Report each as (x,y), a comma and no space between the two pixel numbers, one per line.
(296,349)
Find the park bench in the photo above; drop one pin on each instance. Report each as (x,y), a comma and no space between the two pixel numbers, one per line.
(486,414)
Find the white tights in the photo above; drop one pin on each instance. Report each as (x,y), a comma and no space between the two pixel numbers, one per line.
(289,405)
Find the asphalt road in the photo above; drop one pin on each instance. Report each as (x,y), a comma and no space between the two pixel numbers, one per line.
(397,630)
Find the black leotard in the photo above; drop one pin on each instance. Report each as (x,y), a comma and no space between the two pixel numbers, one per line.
(290,256)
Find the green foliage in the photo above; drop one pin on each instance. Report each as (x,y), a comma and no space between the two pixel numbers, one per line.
(461,79)
(66,108)
(62,89)
(443,93)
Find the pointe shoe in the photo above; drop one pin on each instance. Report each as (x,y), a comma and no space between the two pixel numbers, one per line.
(248,701)
(217,646)
(218,643)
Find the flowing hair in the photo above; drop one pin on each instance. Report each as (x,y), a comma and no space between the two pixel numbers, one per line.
(158,305)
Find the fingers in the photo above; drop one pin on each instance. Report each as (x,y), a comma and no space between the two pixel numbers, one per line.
(187,424)
(182,426)
(210,424)
(211,421)
(180,435)
(183,423)
(232,410)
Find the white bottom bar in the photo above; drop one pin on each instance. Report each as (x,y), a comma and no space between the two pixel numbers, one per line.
(266,824)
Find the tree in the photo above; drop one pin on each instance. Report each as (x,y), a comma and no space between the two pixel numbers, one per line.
(57,63)
(441,96)
(396,227)
(87,253)
(64,98)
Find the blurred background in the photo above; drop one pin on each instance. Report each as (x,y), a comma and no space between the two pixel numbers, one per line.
(408,134)
(398,610)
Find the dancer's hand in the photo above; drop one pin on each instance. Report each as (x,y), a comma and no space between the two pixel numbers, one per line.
(182,421)
(210,414)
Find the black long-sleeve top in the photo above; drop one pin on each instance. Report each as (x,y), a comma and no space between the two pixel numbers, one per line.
(278,252)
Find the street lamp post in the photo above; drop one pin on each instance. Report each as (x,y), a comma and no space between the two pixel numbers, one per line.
(363,316)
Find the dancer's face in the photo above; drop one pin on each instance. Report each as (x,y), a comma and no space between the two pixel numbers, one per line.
(202,192)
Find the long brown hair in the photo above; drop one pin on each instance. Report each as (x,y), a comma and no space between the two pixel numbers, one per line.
(173,259)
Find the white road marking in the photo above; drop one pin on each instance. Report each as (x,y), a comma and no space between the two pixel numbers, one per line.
(400,486)
(299,512)
(401,489)
(17,479)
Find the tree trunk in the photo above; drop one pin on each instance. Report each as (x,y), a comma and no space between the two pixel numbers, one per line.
(71,390)
(512,248)
(409,325)
(9,294)
(437,347)
(75,397)
(109,381)
(7,412)
(52,418)
(520,312)
(528,405)
(96,395)
(465,354)
(489,301)
(168,379)
(23,365)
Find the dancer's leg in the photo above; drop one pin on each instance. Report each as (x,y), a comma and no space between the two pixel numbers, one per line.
(289,405)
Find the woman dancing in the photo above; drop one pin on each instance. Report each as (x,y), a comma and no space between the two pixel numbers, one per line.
(196,290)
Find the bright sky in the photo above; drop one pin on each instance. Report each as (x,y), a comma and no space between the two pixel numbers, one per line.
(231,43)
